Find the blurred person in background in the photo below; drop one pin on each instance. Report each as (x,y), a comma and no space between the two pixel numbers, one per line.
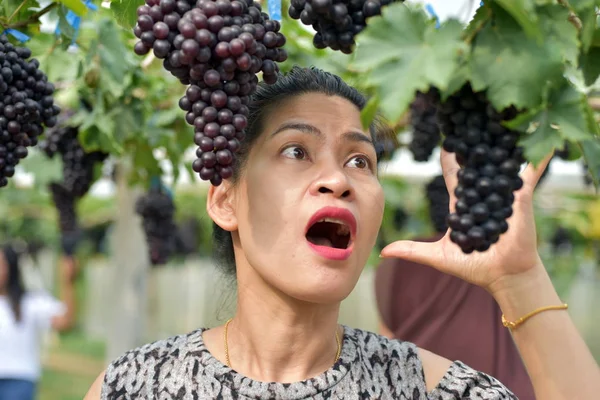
(24,318)
(447,315)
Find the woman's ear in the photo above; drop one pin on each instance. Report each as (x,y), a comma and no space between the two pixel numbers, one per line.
(220,205)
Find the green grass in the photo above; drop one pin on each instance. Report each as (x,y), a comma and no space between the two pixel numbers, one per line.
(71,367)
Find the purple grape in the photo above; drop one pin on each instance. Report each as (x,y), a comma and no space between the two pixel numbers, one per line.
(218,99)
(211,129)
(212,78)
(220,143)
(207,173)
(160,30)
(207,144)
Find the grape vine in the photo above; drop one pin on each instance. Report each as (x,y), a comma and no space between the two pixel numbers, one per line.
(217,48)
(26,105)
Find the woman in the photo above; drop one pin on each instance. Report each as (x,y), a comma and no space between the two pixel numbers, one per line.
(24,316)
(297,223)
(445,314)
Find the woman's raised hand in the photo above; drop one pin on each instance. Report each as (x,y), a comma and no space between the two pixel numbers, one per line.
(515,255)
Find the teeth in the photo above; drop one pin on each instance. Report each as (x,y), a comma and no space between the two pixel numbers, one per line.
(342,229)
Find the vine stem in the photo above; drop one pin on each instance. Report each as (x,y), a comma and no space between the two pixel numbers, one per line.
(33,18)
(573,18)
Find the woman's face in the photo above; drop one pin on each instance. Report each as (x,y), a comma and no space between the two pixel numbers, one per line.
(308,205)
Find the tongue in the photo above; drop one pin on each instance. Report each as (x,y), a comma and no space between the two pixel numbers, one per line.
(321,241)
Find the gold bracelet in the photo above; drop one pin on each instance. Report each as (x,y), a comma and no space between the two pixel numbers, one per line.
(513,325)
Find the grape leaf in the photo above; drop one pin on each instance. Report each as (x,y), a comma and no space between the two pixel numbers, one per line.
(65,27)
(112,51)
(513,67)
(588,27)
(77,6)
(562,117)
(368,113)
(125,12)
(580,5)
(524,13)
(591,154)
(403,52)
(590,65)
(559,31)
(539,144)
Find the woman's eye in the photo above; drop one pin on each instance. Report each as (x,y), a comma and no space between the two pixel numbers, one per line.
(295,152)
(359,162)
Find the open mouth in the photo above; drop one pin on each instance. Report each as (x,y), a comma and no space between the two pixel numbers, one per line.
(329,232)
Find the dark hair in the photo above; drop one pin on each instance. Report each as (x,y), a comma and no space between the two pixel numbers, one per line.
(439,203)
(295,83)
(14,285)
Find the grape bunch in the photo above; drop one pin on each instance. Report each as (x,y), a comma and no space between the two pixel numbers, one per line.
(78,166)
(337,22)
(64,202)
(157,211)
(439,200)
(216,47)
(490,161)
(26,105)
(425,131)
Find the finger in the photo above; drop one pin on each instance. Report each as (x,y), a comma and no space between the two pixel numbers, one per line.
(418,252)
(531,175)
(450,170)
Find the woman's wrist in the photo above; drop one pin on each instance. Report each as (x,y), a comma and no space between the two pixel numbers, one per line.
(520,294)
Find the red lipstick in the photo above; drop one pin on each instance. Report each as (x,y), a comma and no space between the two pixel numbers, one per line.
(339,216)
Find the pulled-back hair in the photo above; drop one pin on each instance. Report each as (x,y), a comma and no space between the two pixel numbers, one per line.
(297,82)
(14,285)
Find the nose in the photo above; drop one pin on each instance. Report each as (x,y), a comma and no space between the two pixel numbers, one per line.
(332,181)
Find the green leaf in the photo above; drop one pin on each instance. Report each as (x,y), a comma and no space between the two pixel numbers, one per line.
(514,68)
(588,20)
(461,76)
(559,31)
(65,28)
(539,144)
(77,6)
(481,17)
(591,154)
(368,113)
(590,65)
(562,117)
(524,13)
(112,51)
(579,5)
(402,52)
(125,12)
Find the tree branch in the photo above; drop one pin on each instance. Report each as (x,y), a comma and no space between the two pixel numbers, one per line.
(594,103)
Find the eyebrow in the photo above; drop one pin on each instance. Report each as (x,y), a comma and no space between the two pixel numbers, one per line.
(354,136)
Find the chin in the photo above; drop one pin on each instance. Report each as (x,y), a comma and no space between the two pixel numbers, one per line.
(323,286)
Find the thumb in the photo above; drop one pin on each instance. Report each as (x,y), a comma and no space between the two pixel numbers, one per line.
(427,253)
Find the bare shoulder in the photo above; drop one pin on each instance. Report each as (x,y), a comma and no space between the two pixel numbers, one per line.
(434,367)
(96,389)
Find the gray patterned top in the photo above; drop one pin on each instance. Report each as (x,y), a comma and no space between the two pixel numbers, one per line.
(370,367)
